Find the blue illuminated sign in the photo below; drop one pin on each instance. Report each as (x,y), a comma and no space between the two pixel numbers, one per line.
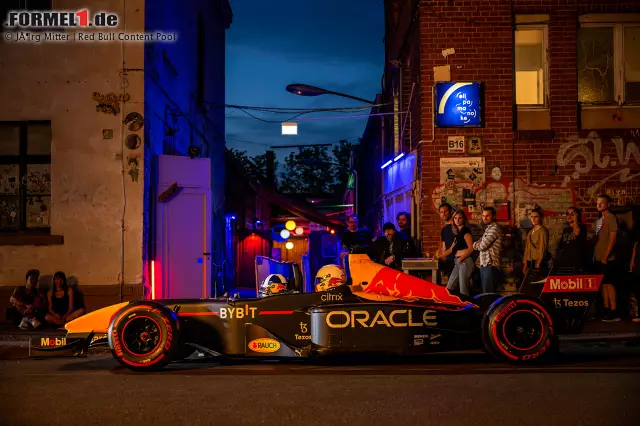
(459,104)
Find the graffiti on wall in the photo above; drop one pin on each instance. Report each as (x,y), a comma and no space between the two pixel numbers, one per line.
(577,159)
(586,153)
(499,194)
(109,103)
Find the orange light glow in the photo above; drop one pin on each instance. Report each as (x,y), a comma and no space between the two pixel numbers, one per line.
(333,231)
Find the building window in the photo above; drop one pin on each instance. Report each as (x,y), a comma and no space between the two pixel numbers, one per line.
(25,177)
(608,63)
(531,65)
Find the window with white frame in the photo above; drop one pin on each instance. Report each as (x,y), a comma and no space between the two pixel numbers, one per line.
(531,65)
(609,63)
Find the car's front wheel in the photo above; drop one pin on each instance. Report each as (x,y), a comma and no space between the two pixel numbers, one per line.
(518,328)
(144,336)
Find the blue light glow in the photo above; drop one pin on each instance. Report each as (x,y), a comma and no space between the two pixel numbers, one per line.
(459,104)
(386,164)
(399,156)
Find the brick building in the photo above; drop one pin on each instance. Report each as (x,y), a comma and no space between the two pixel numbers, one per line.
(92,133)
(561,110)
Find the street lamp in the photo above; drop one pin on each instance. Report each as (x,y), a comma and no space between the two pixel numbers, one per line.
(309,162)
(307,90)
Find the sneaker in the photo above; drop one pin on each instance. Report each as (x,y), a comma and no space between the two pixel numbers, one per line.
(24,324)
(35,323)
(610,318)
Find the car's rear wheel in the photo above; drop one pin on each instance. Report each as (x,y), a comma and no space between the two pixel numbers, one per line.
(519,329)
(144,336)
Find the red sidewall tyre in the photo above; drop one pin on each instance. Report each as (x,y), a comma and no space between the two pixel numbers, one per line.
(518,329)
(144,336)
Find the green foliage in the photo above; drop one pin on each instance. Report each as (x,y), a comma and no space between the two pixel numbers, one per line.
(254,167)
(311,170)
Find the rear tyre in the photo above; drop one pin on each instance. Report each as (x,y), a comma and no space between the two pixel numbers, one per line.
(518,329)
(144,336)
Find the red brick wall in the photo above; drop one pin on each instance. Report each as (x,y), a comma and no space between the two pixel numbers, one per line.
(548,170)
(483,53)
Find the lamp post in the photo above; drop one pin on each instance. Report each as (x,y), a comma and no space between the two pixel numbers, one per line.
(308,90)
(352,170)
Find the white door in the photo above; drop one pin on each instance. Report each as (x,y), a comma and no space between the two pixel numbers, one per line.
(183,228)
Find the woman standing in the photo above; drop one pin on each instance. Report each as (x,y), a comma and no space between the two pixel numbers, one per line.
(462,248)
(574,250)
(537,245)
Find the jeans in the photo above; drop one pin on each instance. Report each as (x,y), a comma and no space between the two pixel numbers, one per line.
(461,275)
(489,276)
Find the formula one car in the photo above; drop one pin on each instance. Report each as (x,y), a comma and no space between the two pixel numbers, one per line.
(376,309)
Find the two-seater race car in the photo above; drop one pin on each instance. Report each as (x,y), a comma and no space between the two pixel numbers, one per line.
(376,309)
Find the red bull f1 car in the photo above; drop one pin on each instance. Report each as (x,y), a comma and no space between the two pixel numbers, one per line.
(377,310)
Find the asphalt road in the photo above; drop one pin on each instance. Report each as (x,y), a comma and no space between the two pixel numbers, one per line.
(587,386)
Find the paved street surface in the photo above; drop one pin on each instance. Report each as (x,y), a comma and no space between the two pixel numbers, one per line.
(592,385)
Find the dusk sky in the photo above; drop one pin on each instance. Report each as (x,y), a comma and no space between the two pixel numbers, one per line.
(333,44)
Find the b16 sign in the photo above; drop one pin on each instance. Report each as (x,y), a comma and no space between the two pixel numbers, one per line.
(456,144)
(459,104)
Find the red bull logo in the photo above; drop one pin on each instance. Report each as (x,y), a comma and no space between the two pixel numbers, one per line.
(335,281)
(277,288)
(390,282)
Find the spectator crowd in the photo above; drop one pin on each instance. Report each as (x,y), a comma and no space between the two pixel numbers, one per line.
(604,248)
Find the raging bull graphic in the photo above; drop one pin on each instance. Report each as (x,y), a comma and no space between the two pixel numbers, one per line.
(377,279)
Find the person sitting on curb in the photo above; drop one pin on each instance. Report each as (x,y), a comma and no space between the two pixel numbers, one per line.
(30,301)
(62,306)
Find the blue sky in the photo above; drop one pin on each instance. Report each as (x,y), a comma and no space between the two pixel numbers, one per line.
(334,44)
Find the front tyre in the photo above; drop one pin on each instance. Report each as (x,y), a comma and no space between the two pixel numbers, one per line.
(144,336)
(518,329)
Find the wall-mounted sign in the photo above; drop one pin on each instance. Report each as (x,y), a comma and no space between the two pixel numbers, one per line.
(474,145)
(459,104)
(462,169)
(456,144)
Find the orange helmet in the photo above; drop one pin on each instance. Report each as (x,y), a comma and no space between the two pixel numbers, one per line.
(330,276)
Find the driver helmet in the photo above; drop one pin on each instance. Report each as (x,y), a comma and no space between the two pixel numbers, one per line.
(330,276)
(273,284)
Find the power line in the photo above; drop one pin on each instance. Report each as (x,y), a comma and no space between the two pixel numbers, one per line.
(281,110)
(247,142)
(272,121)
